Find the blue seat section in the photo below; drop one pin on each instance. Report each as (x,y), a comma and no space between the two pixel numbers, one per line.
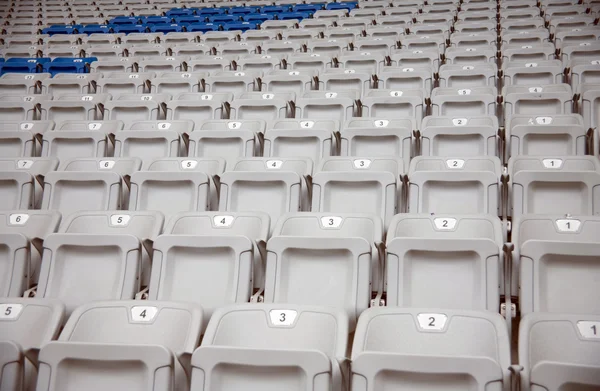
(223,18)
(347,5)
(62,29)
(204,27)
(129,28)
(211,11)
(95,29)
(180,12)
(274,9)
(68,65)
(312,8)
(243,26)
(187,19)
(23,65)
(157,20)
(166,28)
(258,18)
(293,15)
(125,20)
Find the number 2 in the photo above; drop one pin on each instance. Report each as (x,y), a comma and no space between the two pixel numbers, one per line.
(432,321)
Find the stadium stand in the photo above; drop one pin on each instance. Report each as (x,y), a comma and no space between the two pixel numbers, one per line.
(261,195)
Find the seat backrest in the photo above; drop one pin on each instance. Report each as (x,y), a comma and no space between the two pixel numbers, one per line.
(460,348)
(69,192)
(555,250)
(209,270)
(559,350)
(455,185)
(16,190)
(559,184)
(80,268)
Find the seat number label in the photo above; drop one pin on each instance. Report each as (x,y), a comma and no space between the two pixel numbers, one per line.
(444,223)
(18,218)
(552,163)
(274,164)
(282,317)
(223,221)
(119,220)
(24,164)
(189,164)
(10,311)
(455,163)
(106,164)
(143,313)
(432,321)
(568,225)
(588,329)
(331,221)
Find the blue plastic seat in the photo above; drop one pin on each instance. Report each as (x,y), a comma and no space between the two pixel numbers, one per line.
(347,5)
(179,12)
(24,65)
(223,19)
(211,11)
(61,29)
(258,18)
(68,65)
(312,8)
(149,20)
(293,15)
(166,28)
(95,29)
(274,9)
(129,28)
(203,27)
(186,19)
(243,26)
(243,10)
(124,20)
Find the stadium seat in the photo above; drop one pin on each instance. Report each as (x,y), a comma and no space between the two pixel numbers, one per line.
(279,336)
(570,357)
(423,348)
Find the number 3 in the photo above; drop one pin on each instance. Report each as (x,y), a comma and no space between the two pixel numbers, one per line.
(282,318)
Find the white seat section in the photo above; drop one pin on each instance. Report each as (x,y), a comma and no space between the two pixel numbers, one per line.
(332,105)
(209,64)
(212,271)
(394,104)
(584,72)
(227,144)
(35,127)
(580,52)
(341,278)
(19,143)
(144,225)
(279,336)
(177,82)
(302,166)
(100,366)
(139,108)
(378,137)
(590,102)
(466,76)
(80,268)
(545,135)
(557,184)
(27,324)
(199,106)
(15,264)
(37,167)
(468,56)
(366,61)
(408,78)
(426,247)
(232,81)
(529,53)
(173,325)
(553,250)
(69,192)
(309,61)
(16,190)
(460,136)
(58,111)
(169,192)
(340,225)
(296,81)
(253,225)
(259,62)
(312,142)
(466,185)
(67,83)
(116,83)
(570,357)
(423,347)
(532,73)
(335,79)
(260,105)
(66,145)
(147,144)
(211,166)
(359,185)
(464,101)
(274,193)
